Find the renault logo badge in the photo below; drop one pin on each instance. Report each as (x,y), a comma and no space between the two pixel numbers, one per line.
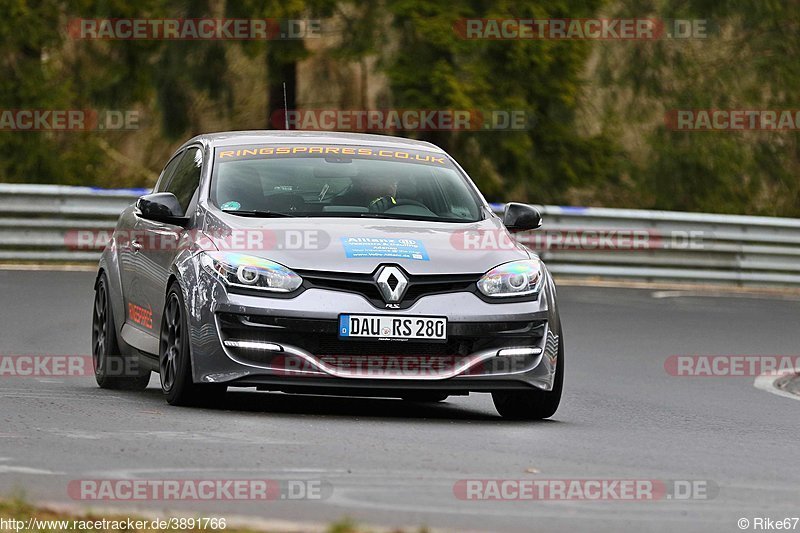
(392,283)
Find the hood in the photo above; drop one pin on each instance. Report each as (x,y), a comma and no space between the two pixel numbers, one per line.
(360,245)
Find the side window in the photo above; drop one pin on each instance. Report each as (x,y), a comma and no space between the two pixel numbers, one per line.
(169,170)
(187,177)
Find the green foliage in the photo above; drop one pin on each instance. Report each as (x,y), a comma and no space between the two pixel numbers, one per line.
(541,78)
(749,61)
(31,81)
(595,109)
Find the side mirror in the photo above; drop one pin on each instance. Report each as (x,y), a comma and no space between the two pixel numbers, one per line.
(521,217)
(161,207)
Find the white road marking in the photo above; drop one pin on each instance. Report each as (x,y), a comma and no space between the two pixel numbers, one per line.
(145,473)
(53,394)
(49,268)
(27,470)
(659,295)
(767,382)
(133,435)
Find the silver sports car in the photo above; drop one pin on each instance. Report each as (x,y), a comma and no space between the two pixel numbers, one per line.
(326,263)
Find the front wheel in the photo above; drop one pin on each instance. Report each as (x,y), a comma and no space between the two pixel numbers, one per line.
(533,404)
(175,364)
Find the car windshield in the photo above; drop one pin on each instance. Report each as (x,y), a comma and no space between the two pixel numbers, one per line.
(342,181)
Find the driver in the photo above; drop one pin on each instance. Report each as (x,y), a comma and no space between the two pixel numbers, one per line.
(375,193)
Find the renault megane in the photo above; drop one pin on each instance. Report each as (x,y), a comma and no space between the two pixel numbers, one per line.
(326,263)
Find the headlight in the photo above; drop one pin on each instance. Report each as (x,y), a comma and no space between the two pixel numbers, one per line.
(517,278)
(246,271)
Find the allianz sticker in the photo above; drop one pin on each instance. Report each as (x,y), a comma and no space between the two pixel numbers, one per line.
(384,248)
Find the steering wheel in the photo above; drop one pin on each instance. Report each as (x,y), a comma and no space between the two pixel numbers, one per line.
(410,208)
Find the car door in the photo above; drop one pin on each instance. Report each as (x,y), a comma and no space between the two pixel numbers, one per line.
(161,241)
(130,245)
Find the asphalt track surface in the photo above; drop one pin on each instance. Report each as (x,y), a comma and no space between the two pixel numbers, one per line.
(393,463)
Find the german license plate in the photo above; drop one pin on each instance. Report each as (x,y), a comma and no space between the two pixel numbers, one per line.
(393,327)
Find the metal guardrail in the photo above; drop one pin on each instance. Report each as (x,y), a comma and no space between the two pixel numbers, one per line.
(35,221)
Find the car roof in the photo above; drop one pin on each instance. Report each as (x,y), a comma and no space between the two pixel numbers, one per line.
(232,138)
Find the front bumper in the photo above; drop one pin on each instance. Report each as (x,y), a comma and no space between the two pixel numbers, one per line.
(306,353)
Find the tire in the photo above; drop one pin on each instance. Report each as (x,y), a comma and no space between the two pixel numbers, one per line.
(426,397)
(175,363)
(535,404)
(112,369)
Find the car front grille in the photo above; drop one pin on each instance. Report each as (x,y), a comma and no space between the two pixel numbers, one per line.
(365,285)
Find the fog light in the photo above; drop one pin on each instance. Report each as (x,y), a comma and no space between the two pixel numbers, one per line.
(254,345)
(519,351)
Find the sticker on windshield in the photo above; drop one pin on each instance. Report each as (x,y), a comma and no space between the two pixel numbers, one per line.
(347,152)
(231,206)
(384,248)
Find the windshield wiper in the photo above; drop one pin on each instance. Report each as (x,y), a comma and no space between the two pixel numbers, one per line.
(420,218)
(257,213)
(376,215)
